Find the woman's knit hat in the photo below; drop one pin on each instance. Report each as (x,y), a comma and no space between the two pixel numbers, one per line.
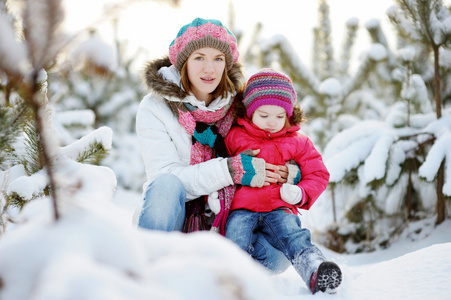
(202,33)
(269,87)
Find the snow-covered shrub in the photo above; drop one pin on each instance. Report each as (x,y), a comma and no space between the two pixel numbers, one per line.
(98,79)
(37,142)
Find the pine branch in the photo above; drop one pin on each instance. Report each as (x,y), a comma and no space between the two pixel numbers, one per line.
(378,37)
(95,153)
(351,32)
(41,33)
(328,62)
(33,161)
(43,138)
(364,71)
(316,52)
(12,121)
(298,73)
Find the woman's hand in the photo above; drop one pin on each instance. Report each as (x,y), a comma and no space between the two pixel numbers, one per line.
(246,169)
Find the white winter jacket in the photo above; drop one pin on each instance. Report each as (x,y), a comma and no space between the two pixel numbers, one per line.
(165,145)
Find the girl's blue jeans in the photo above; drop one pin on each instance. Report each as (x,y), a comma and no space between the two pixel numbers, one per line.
(282,230)
(164,209)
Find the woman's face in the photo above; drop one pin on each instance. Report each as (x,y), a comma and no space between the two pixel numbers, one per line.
(270,118)
(205,67)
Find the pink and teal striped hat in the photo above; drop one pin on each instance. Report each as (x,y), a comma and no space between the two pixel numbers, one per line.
(202,33)
(269,87)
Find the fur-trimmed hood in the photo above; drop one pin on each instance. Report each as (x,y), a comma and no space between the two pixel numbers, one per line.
(168,89)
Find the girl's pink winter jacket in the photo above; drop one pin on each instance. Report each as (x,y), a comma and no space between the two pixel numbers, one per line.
(277,148)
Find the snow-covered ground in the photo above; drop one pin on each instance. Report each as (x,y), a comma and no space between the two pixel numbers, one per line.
(94,252)
(417,266)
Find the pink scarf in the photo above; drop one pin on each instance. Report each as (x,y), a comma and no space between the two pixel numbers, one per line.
(222,119)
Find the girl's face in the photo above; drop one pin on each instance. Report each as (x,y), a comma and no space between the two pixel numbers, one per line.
(271,118)
(205,67)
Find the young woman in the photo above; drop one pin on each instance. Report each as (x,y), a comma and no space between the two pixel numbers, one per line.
(271,124)
(181,124)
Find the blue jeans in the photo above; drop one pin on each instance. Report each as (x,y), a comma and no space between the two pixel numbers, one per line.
(164,209)
(164,204)
(283,231)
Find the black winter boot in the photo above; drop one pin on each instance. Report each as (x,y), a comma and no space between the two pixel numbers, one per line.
(326,278)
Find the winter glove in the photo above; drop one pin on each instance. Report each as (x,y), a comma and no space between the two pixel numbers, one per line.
(213,202)
(209,135)
(294,172)
(247,170)
(291,194)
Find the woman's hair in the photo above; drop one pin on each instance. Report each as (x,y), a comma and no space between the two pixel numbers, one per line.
(224,87)
(239,111)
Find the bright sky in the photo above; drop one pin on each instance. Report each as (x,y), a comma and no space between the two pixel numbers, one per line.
(152,25)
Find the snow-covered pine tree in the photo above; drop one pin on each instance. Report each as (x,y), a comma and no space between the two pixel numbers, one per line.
(387,160)
(100,79)
(22,171)
(21,64)
(33,164)
(427,25)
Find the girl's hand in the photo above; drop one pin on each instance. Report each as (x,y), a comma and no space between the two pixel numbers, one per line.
(291,194)
(283,172)
(275,174)
(214,203)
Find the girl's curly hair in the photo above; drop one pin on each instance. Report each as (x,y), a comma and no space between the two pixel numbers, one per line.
(239,111)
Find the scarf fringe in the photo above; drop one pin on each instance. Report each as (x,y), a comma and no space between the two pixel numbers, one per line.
(225,196)
(195,222)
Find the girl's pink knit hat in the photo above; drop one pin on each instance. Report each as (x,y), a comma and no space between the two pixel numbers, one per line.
(269,87)
(202,33)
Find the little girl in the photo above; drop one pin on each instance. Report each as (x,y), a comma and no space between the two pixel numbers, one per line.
(270,123)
